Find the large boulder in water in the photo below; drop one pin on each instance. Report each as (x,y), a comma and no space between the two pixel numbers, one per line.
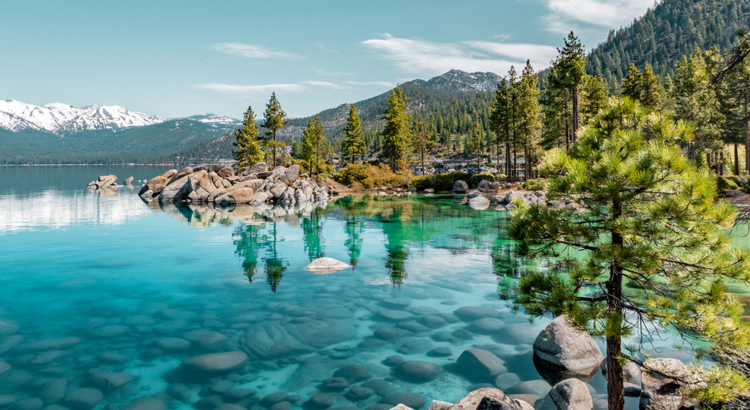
(158,183)
(570,394)
(460,186)
(660,392)
(104,181)
(324,266)
(215,364)
(418,371)
(273,339)
(489,399)
(479,202)
(561,347)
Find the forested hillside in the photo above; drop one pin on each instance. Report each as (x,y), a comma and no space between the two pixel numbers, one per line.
(667,32)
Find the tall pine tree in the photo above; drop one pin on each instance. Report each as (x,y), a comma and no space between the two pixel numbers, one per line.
(275,119)
(396,133)
(314,146)
(248,150)
(353,145)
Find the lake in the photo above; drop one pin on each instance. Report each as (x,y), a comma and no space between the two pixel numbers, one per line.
(106,299)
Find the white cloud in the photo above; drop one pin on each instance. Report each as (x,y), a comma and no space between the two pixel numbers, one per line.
(376,83)
(246,89)
(423,57)
(323,47)
(540,55)
(251,51)
(607,13)
(325,84)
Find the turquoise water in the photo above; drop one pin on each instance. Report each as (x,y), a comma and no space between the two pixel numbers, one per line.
(105,297)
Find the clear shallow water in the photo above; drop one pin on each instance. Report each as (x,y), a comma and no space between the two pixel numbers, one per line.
(110,295)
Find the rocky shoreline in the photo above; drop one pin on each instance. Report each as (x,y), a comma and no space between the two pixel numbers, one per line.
(228,186)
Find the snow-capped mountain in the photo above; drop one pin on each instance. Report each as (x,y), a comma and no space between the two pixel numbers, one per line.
(63,118)
(215,119)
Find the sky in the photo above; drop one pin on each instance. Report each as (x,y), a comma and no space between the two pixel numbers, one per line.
(181,58)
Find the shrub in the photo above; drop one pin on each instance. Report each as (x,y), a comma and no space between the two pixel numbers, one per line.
(534,184)
(370,176)
(477,178)
(421,183)
(726,183)
(444,182)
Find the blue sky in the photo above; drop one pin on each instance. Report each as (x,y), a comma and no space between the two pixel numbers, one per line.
(179,58)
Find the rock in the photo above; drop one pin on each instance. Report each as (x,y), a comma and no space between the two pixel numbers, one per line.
(414,346)
(472,313)
(104,181)
(357,393)
(113,358)
(147,196)
(504,402)
(630,372)
(417,371)
(442,351)
(564,347)
(207,339)
(507,380)
(481,363)
(278,190)
(273,398)
(220,387)
(284,405)
(215,364)
(439,405)
(488,325)
(84,398)
(4,366)
(497,400)
(183,173)
(290,174)
(484,185)
(497,199)
(429,191)
(536,387)
(509,198)
(663,393)
(179,392)
(473,194)
(631,390)
(322,400)
(176,191)
(460,186)
(226,172)
(171,344)
(208,403)
(9,342)
(257,168)
(54,390)
(324,266)
(236,395)
(237,196)
(571,394)
(334,384)
(147,404)
(395,315)
(129,181)
(29,404)
(108,381)
(480,203)
(413,400)
(353,373)
(396,407)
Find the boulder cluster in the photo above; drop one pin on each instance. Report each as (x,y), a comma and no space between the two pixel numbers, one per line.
(104,182)
(218,185)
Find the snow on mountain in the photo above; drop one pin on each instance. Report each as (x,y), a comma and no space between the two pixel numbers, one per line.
(61,118)
(214,119)
(461,81)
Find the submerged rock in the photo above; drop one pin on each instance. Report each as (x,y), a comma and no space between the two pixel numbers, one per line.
(418,371)
(489,399)
(324,266)
(215,364)
(84,398)
(481,363)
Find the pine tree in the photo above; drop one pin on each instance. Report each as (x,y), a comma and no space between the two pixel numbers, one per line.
(476,142)
(529,115)
(632,84)
(650,89)
(422,144)
(572,71)
(314,146)
(396,133)
(649,217)
(696,100)
(248,151)
(593,98)
(275,119)
(353,145)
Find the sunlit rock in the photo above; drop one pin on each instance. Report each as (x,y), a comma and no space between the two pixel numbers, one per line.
(324,266)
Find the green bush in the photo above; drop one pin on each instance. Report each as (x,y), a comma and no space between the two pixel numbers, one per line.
(726,183)
(369,176)
(421,183)
(477,178)
(534,184)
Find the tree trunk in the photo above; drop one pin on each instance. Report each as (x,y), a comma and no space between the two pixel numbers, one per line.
(721,163)
(274,148)
(747,138)
(507,159)
(575,114)
(615,388)
(736,161)
(567,137)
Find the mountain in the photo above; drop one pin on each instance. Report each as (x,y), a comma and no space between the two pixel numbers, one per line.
(446,103)
(665,33)
(62,118)
(60,133)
